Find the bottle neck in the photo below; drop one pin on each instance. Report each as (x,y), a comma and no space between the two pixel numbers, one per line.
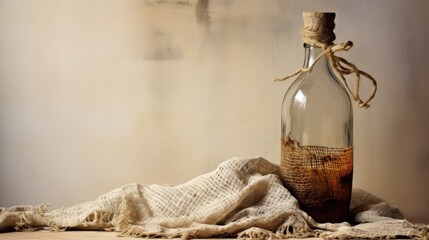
(311,53)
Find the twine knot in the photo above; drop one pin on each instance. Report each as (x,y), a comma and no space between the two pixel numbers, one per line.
(318,31)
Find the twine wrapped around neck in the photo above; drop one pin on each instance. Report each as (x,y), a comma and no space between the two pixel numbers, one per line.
(318,31)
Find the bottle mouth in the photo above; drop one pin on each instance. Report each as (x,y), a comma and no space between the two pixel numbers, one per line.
(306,45)
(318,28)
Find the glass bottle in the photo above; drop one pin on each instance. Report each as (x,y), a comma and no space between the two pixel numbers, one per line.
(317,140)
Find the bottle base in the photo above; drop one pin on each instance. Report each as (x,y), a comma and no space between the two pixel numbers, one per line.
(320,178)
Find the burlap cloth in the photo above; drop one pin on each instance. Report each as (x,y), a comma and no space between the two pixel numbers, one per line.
(243,198)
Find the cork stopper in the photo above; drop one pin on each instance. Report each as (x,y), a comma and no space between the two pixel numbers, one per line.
(318,28)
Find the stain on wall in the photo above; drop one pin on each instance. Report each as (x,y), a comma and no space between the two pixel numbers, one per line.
(161,47)
(202,12)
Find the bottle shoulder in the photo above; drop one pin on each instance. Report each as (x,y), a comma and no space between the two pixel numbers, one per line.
(314,87)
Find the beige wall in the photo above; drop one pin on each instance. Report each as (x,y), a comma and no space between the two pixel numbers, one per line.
(96,94)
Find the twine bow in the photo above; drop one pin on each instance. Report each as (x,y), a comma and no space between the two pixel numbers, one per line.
(343,68)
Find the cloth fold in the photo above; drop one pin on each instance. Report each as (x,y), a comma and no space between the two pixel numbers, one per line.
(242,197)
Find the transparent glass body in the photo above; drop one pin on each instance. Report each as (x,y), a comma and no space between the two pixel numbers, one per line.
(316,109)
(317,137)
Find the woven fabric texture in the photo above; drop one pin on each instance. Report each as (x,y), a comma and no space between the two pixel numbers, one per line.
(319,177)
(243,197)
